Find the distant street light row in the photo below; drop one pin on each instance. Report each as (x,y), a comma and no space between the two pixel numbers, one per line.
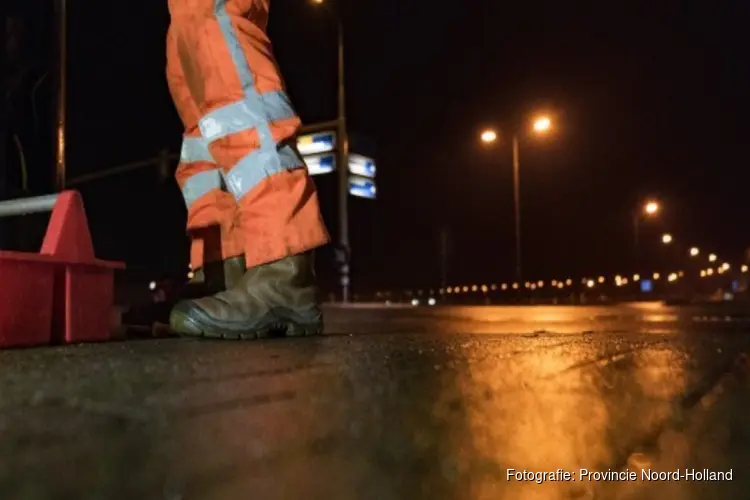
(651,208)
(618,280)
(668,239)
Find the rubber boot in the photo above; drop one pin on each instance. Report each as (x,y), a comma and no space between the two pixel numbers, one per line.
(279,298)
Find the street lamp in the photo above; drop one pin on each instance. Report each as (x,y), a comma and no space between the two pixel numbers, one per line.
(649,209)
(539,125)
(542,124)
(342,158)
(666,239)
(712,257)
(489,136)
(694,252)
(61,125)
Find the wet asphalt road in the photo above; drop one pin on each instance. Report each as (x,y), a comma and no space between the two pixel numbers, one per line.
(393,403)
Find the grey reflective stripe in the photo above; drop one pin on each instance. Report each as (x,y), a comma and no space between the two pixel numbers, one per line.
(254,111)
(199,185)
(195,149)
(246,114)
(258,165)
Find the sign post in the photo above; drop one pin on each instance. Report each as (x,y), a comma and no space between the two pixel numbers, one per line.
(324,152)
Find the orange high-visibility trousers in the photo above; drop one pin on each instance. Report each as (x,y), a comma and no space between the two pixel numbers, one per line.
(240,129)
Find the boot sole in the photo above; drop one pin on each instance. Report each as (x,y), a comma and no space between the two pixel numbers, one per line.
(285,323)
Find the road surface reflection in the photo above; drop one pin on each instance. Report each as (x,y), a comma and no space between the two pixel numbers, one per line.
(433,403)
(446,417)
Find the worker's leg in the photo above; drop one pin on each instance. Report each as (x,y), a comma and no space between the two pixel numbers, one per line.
(246,115)
(215,242)
(250,123)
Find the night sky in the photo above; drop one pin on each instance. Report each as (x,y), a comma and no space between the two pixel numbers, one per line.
(649,100)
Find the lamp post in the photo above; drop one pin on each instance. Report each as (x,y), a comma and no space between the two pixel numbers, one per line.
(517,206)
(649,209)
(342,159)
(540,125)
(61,13)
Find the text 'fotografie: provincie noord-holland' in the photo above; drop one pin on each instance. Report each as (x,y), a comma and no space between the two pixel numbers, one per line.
(619,475)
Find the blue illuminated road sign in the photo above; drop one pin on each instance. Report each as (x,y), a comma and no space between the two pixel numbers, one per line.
(322,142)
(362,187)
(362,166)
(320,164)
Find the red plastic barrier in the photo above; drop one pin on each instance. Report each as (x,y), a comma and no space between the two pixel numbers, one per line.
(62,294)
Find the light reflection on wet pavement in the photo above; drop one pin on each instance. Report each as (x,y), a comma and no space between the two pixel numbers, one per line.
(434,403)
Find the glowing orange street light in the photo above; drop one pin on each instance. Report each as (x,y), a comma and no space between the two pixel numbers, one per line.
(542,124)
(488,136)
(651,208)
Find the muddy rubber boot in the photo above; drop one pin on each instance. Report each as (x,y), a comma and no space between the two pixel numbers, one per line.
(216,277)
(279,298)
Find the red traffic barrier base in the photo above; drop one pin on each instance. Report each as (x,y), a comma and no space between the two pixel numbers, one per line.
(63,294)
